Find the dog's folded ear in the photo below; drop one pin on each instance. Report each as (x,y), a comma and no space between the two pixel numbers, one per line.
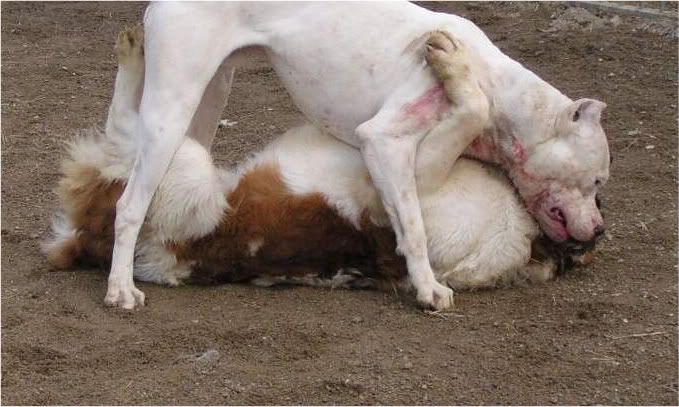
(586,110)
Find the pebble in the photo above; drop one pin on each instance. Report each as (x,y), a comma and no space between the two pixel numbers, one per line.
(407,363)
(227,123)
(210,355)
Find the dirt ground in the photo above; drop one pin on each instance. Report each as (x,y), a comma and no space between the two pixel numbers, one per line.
(602,335)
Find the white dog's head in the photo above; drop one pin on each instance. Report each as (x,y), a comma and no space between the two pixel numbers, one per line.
(560,176)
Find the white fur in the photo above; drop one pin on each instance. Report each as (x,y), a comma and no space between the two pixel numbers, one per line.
(62,232)
(313,162)
(189,204)
(155,264)
(111,153)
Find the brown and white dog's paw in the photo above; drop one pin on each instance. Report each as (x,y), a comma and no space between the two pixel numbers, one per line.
(584,259)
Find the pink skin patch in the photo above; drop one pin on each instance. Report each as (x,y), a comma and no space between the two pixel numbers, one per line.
(482,150)
(426,109)
(557,230)
(518,151)
(537,202)
(429,108)
(552,222)
(543,207)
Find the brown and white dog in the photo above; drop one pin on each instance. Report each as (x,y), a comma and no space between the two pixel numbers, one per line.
(303,210)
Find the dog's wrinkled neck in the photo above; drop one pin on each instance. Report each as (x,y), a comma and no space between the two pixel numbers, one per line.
(500,145)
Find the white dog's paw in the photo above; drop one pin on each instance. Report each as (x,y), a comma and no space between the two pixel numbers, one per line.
(437,296)
(125,296)
(130,44)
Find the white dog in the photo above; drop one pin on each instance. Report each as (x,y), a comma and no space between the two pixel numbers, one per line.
(297,212)
(357,72)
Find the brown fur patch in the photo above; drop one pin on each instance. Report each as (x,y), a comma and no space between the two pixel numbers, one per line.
(297,235)
(89,201)
(267,232)
(65,254)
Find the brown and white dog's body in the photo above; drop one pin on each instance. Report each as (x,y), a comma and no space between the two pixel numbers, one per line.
(303,210)
(297,212)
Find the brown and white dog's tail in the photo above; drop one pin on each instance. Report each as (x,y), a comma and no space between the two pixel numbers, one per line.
(93,178)
(63,247)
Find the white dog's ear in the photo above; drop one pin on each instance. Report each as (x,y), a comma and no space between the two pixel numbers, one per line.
(588,110)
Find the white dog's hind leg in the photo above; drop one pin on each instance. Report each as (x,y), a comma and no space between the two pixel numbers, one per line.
(181,59)
(123,112)
(123,120)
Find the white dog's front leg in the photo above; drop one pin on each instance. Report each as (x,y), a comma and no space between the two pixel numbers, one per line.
(412,143)
(391,165)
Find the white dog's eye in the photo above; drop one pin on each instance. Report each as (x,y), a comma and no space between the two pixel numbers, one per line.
(598,182)
(576,115)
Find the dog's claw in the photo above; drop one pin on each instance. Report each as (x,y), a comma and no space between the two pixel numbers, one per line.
(447,57)
(130,43)
(438,298)
(124,296)
(443,41)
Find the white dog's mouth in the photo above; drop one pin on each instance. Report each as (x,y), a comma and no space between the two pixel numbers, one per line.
(556,214)
(557,225)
